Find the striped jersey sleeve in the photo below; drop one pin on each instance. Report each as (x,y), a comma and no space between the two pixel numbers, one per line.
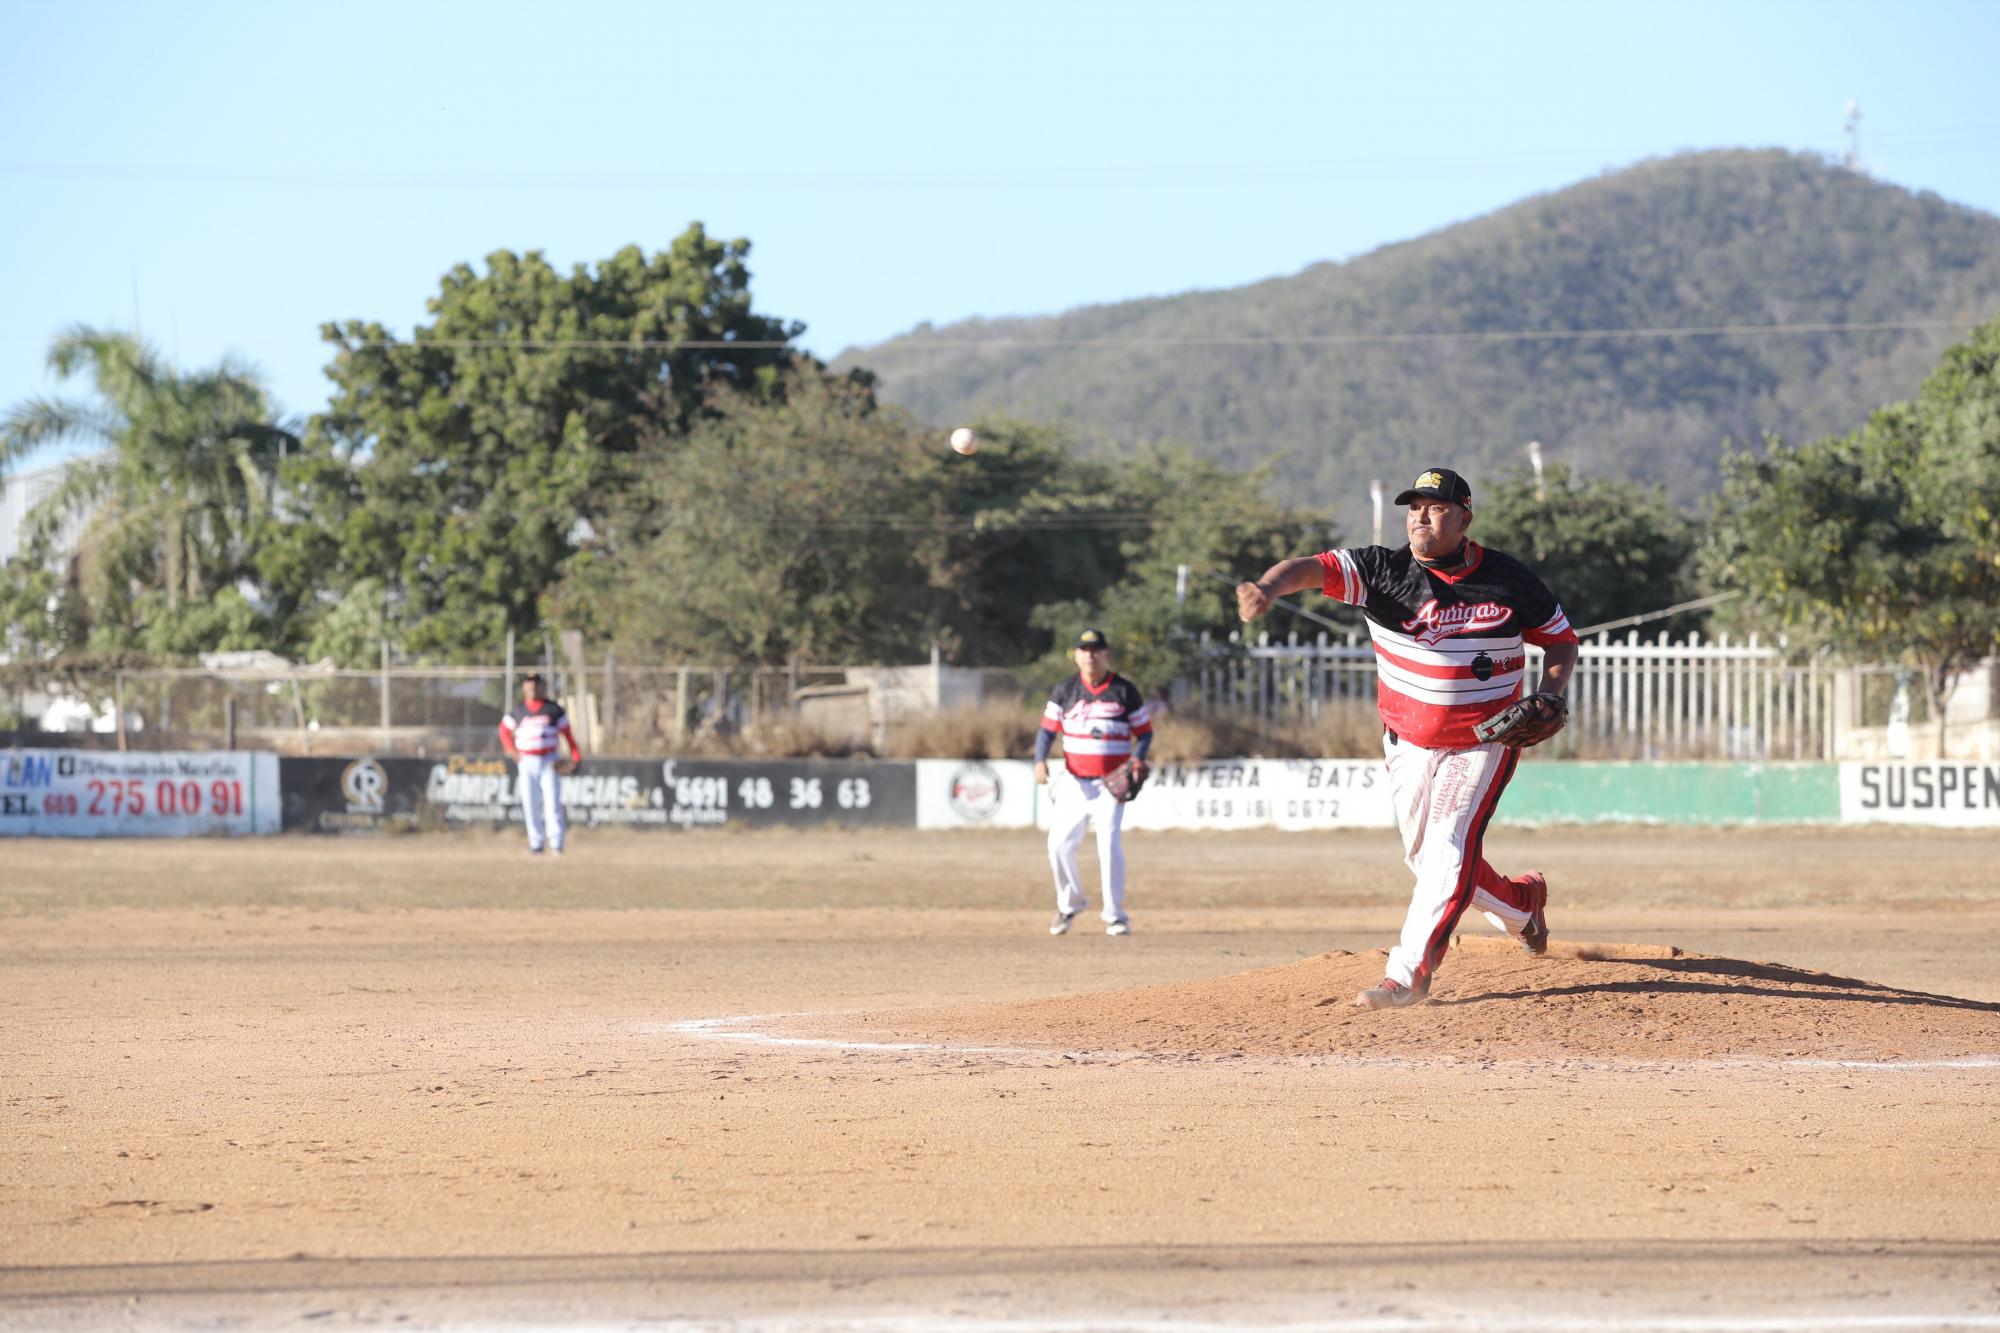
(1341,578)
(1556,629)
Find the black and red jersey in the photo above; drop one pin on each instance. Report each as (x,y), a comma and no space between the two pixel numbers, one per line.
(1097,726)
(537,727)
(1448,647)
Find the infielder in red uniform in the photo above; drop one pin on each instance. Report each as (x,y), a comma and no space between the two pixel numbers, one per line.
(1448,619)
(529,732)
(1102,720)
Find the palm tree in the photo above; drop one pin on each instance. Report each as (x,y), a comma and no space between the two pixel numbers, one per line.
(168,507)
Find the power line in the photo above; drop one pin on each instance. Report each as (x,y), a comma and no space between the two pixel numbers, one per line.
(933,343)
(1497,335)
(968,522)
(1662,614)
(820,521)
(1100,175)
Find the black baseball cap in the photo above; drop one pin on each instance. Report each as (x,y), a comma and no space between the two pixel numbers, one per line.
(1092,638)
(1438,483)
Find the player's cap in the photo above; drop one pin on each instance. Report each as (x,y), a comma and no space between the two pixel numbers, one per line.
(1092,638)
(1438,483)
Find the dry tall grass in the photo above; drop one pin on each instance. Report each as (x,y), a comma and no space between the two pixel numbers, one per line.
(1350,731)
(998,730)
(1006,730)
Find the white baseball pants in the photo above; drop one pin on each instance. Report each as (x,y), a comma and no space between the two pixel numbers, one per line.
(541,802)
(1444,801)
(1073,803)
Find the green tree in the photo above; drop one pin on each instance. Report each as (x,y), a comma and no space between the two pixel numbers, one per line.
(1222,526)
(823,525)
(1875,543)
(771,529)
(142,544)
(1958,453)
(350,633)
(1025,522)
(462,468)
(1608,548)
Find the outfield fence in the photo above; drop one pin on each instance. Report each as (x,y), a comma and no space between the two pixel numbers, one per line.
(1629,699)
(96,794)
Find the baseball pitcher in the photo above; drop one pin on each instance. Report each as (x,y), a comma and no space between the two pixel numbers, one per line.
(1105,734)
(1448,619)
(530,732)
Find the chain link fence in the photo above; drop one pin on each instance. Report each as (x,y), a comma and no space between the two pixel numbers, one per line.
(1630,700)
(423,711)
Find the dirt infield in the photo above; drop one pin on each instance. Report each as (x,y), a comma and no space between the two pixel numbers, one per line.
(847,1080)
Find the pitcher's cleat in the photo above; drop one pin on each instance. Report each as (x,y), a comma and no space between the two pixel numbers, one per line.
(1389,994)
(1119,927)
(1535,935)
(1060,926)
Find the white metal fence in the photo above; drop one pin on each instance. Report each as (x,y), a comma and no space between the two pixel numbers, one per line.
(1628,699)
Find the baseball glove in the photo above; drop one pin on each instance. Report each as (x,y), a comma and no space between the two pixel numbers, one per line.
(1525,722)
(1124,781)
(568,766)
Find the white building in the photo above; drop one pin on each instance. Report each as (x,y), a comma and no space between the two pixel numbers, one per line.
(20,492)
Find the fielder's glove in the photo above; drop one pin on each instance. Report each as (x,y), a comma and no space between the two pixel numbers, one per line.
(1124,781)
(1526,722)
(568,766)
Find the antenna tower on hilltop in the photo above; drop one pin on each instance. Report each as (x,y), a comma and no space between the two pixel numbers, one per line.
(1853,159)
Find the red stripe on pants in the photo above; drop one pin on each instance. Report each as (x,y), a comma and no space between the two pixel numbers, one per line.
(1468,870)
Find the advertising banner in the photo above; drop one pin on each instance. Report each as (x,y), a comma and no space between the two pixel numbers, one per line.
(708,793)
(120,794)
(1290,794)
(1331,793)
(94,793)
(975,793)
(1220,794)
(1948,795)
(357,795)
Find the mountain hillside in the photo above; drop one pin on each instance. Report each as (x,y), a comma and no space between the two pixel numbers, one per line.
(1415,353)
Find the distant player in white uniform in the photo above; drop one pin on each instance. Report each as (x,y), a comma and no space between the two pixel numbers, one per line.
(1448,620)
(531,732)
(1101,720)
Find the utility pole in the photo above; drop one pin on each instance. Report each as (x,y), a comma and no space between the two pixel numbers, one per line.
(1535,462)
(1375,498)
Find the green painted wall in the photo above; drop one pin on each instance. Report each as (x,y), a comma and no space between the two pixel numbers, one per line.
(1559,791)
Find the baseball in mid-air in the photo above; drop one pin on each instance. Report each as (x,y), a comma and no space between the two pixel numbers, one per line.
(965,440)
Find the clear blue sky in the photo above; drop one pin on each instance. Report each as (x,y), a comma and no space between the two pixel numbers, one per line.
(226,176)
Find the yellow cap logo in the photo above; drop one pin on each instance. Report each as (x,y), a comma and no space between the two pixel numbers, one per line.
(1430,481)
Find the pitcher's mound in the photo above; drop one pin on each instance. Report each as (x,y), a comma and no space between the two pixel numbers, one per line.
(1490,1000)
